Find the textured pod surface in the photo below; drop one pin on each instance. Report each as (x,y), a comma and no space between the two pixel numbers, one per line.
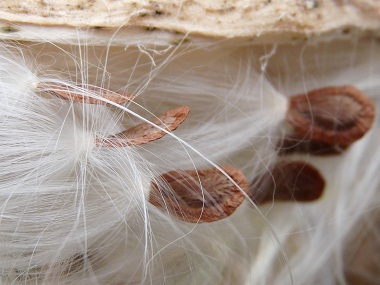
(199,196)
(332,115)
(261,20)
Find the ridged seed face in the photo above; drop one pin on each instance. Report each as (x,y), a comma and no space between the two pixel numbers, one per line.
(199,196)
(337,112)
(332,116)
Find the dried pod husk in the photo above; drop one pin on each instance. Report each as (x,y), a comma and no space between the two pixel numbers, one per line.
(198,196)
(332,116)
(259,20)
(288,181)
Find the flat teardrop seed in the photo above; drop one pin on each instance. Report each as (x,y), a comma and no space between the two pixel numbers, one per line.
(288,181)
(145,132)
(77,93)
(199,196)
(332,115)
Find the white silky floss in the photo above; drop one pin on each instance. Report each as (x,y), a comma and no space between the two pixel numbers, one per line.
(73,212)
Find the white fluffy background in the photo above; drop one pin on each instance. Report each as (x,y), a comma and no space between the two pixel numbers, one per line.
(74,213)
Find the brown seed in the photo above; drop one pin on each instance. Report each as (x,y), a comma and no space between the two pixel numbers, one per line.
(288,181)
(199,196)
(145,132)
(332,116)
(77,94)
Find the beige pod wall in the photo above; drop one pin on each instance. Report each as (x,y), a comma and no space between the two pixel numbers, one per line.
(253,187)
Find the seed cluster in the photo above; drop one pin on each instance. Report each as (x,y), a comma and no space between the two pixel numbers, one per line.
(323,121)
